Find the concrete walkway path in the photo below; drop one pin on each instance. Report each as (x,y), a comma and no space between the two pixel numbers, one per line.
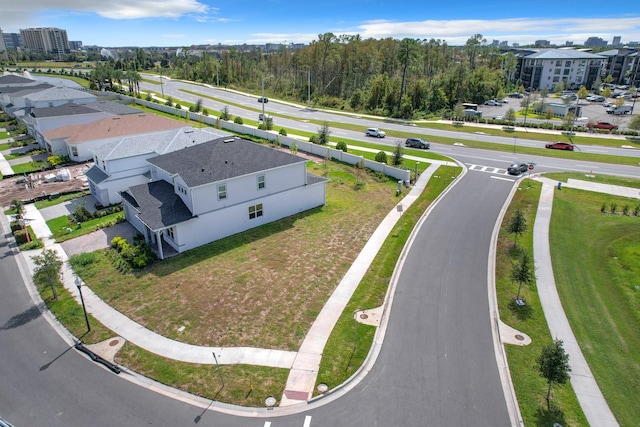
(589,396)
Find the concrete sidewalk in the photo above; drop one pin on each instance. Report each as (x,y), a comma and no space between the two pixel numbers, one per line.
(310,352)
(584,384)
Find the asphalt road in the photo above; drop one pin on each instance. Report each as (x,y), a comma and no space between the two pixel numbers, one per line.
(436,367)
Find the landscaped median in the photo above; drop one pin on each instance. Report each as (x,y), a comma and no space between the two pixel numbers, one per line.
(596,277)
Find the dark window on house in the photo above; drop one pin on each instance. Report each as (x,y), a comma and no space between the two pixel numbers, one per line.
(222,191)
(261,182)
(255,211)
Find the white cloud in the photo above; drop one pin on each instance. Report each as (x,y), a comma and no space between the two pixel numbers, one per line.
(521,30)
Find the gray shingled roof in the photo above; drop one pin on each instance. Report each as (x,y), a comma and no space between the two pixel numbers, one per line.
(59,93)
(159,143)
(24,89)
(562,54)
(96,175)
(69,109)
(218,160)
(158,205)
(112,107)
(10,79)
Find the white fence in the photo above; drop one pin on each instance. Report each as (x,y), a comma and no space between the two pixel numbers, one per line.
(304,146)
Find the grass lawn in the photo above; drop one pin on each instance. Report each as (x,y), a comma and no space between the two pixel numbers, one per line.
(4,135)
(41,204)
(530,387)
(32,166)
(59,226)
(261,288)
(597,271)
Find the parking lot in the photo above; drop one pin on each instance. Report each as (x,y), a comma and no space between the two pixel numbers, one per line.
(590,111)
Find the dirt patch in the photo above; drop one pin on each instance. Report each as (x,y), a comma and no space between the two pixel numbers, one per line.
(32,186)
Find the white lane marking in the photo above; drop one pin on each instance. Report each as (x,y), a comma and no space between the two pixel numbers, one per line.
(501,178)
(307,421)
(267,424)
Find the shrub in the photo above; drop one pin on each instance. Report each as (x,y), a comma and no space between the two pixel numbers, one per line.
(625,210)
(381,157)
(636,211)
(178,106)
(603,208)
(238,120)
(82,260)
(283,132)
(342,146)
(21,236)
(614,207)
(314,139)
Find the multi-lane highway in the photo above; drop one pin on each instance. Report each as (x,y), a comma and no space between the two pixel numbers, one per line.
(436,367)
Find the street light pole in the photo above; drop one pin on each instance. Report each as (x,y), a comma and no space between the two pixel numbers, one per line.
(515,139)
(84,309)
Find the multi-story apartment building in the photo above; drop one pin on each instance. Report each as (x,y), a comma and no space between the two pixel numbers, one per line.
(47,40)
(545,68)
(623,65)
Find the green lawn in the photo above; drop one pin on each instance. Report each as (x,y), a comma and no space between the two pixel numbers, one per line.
(597,271)
(63,230)
(529,386)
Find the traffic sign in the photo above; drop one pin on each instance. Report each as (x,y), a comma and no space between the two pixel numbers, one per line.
(530,167)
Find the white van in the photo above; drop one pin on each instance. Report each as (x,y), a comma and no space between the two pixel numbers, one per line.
(623,109)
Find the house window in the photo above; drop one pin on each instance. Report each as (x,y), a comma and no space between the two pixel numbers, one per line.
(222,191)
(171,233)
(567,64)
(255,211)
(557,71)
(182,190)
(74,151)
(567,71)
(261,182)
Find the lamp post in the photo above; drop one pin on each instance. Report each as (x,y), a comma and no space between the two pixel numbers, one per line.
(84,309)
(161,83)
(515,139)
(417,164)
(263,99)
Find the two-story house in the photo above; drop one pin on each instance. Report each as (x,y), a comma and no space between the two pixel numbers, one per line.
(121,164)
(213,190)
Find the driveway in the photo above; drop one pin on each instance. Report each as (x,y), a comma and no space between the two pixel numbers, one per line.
(100,239)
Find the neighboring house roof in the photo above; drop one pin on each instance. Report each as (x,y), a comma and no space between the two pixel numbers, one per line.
(162,206)
(69,109)
(562,54)
(159,143)
(58,94)
(222,159)
(10,79)
(95,174)
(113,127)
(23,90)
(112,107)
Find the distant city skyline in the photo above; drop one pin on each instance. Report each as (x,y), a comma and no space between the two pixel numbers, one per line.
(116,23)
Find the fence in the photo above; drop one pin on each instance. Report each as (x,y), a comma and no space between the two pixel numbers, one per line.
(306,147)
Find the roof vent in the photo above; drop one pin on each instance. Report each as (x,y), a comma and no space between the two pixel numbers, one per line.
(226,141)
(202,169)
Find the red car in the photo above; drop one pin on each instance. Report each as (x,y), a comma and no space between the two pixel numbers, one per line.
(603,125)
(560,146)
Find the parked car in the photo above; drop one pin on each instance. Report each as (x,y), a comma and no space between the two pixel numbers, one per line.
(515,95)
(498,118)
(595,98)
(491,103)
(560,146)
(262,117)
(375,132)
(602,125)
(608,104)
(517,168)
(263,99)
(416,143)
(623,109)
(570,96)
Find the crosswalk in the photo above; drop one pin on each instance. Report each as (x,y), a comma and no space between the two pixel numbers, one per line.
(488,169)
(307,422)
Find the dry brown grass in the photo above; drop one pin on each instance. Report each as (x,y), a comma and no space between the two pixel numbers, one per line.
(262,288)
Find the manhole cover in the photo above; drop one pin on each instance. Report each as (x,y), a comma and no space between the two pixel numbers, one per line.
(364,316)
(270,401)
(519,337)
(322,387)
(113,343)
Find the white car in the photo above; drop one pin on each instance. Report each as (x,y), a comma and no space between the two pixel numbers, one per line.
(375,132)
(491,103)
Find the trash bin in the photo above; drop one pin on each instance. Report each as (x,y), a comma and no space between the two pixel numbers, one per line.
(559,185)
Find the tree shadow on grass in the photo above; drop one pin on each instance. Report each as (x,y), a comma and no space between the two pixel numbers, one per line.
(523,312)
(550,417)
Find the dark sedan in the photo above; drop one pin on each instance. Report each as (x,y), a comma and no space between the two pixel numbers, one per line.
(517,168)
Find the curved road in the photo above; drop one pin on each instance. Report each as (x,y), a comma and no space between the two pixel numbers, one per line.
(436,366)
